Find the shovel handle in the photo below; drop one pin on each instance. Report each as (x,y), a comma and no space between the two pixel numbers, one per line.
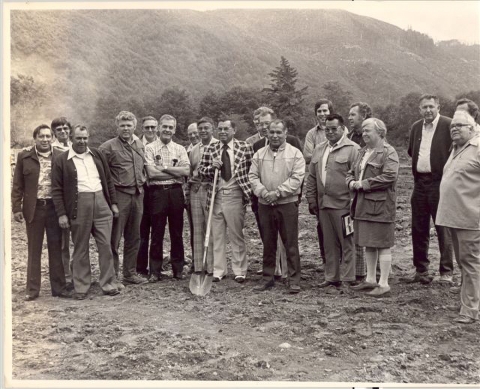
(209,220)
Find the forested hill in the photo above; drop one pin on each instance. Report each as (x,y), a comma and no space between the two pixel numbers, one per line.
(82,56)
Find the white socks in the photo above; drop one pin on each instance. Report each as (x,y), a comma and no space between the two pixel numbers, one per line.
(385,258)
(371,256)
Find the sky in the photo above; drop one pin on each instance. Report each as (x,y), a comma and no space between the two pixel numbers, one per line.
(441,20)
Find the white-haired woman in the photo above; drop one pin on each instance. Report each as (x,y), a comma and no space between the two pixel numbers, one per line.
(372,180)
(459,209)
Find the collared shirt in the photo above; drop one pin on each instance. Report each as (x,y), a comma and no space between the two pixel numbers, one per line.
(44,190)
(195,158)
(232,183)
(314,137)
(190,147)
(428,131)
(363,163)
(61,146)
(160,154)
(325,158)
(126,161)
(254,138)
(87,172)
(146,142)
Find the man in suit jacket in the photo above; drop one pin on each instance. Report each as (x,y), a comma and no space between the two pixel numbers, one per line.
(233,158)
(32,185)
(85,198)
(429,147)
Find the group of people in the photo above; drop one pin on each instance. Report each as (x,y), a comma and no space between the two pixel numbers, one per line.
(133,187)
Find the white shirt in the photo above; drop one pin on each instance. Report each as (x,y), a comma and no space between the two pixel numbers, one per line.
(328,150)
(87,172)
(428,130)
(232,184)
(61,146)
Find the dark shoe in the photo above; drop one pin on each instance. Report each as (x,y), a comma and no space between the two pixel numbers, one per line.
(216,279)
(69,287)
(325,284)
(265,286)
(364,286)
(277,277)
(464,320)
(79,296)
(154,278)
(294,289)
(240,279)
(111,292)
(422,278)
(66,294)
(30,297)
(260,272)
(379,291)
(179,276)
(134,279)
(359,279)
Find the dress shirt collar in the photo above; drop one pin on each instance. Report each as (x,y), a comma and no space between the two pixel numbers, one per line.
(337,143)
(434,122)
(280,148)
(72,153)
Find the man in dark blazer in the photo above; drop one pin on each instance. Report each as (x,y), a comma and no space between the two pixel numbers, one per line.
(429,147)
(32,201)
(84,196)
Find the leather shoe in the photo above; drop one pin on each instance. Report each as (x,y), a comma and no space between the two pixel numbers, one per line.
(364,286)
(265,286)
(260,272)
(65,294)
(379,291)
(422,278)
(79,296)
(30,297)
(216,279)
(325,284)
(464,320)
(240,279)
(294,289)
(153,278)
(111,292)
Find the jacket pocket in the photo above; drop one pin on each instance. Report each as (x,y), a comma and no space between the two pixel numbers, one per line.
(375,202)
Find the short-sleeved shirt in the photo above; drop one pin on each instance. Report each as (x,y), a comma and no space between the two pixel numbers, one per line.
(171,154)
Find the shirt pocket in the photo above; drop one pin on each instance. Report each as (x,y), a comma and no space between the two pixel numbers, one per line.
(341,163)
(375,202)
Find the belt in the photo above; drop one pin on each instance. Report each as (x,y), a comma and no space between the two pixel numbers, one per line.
(228,191)
(44,202)
(166,187)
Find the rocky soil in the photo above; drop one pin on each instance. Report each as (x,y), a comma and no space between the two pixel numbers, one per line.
(163,332)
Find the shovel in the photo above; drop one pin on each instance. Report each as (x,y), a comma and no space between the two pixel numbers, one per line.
(201,283)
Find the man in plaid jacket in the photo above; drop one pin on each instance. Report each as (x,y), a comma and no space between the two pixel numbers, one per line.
(233,158)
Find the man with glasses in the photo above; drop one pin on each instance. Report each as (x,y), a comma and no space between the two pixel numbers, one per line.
(429,147)
(327,191)
(125,157)
(61,128)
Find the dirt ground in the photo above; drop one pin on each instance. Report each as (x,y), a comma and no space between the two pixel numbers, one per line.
(163,332)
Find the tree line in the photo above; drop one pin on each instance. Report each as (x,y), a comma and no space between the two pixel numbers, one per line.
(282,95)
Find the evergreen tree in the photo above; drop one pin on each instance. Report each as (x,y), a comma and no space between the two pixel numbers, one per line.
(282,95)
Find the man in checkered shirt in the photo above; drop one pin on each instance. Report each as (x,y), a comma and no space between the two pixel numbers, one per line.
(233,158)
(167,164)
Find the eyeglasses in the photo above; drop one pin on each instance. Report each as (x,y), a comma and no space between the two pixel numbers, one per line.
(60,128)
(459,126)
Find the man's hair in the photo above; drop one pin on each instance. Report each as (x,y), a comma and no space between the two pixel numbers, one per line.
(335,116)
(167,117)
(427,96)
(364,109)
(472,106)
(60,122)
(279,121)
(227,119)
(206,119)
(126,115)
(321,102)
(467,116)
(80,127)
(41,127)
(378,125)
(148,118)
(262,111)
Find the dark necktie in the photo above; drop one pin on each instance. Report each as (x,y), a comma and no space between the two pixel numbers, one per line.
(226,171)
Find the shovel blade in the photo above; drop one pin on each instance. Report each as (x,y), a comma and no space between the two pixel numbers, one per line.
(200,284)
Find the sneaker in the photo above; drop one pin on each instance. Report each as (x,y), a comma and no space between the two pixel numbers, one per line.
(446,278)
(135,279)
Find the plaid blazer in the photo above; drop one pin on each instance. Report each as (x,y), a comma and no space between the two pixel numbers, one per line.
(242,156)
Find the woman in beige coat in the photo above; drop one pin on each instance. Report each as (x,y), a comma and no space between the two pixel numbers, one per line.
(373,180)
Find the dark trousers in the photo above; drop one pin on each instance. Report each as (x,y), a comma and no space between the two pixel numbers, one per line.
(44,220)
(255,212)
(127,224)
(320,240)
(283,219)
(424,203)
(145,227)
(190,225)
(167,205)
